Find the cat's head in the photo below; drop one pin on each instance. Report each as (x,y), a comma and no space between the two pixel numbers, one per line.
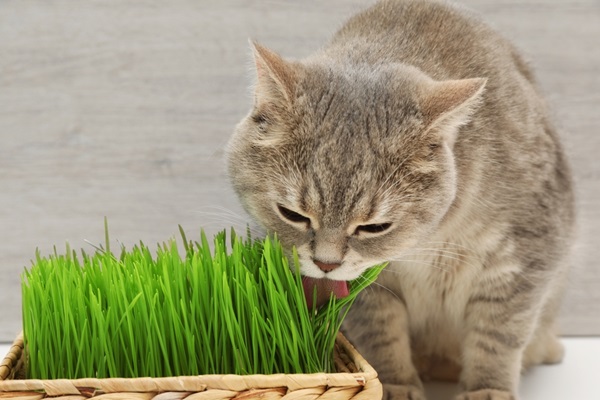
(351,164)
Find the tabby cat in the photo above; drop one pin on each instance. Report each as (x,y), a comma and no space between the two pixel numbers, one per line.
(418,136)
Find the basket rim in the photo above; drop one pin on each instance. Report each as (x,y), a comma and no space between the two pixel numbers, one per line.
(366,376)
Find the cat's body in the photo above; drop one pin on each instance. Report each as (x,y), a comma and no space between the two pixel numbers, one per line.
(387,144)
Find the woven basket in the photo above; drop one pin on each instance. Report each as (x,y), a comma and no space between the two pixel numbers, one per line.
(355,379)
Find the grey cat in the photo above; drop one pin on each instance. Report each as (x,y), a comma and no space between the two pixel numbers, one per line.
(418,136)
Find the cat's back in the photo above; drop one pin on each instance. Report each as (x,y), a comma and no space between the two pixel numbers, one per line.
(445,40)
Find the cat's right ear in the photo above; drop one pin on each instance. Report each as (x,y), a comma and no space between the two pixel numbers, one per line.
(276,78)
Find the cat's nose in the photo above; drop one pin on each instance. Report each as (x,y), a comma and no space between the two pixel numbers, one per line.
(326,267)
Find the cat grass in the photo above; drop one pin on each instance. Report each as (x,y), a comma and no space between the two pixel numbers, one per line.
(236,309)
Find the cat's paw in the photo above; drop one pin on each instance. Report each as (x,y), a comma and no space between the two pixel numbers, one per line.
(402,392)
(486,394)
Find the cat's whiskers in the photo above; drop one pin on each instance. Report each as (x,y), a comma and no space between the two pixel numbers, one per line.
(459,255)
(415,262)
(450,244)
(215,216)
(221,210)
(436,258)
(438,255)
(388,290)
(223,218)
(371,287)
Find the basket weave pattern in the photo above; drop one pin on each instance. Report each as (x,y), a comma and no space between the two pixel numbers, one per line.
(355,380)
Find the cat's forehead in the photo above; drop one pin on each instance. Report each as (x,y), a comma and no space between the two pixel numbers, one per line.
(326,87)
(356,102)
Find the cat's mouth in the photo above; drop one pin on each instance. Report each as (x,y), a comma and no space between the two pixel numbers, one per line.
(318,290)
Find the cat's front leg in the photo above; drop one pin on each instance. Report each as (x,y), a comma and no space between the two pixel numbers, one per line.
(492,364)
(378,326)
(500,318)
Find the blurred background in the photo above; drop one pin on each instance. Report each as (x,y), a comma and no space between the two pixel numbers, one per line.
(123,108)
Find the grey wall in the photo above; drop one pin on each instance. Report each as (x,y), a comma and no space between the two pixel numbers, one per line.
(122,109)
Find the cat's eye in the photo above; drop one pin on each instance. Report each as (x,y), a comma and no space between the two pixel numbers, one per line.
(292,216)
(373,228)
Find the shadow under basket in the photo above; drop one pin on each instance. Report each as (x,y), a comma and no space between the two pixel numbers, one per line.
(355,379)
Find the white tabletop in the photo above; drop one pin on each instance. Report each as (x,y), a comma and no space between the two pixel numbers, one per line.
(578,377)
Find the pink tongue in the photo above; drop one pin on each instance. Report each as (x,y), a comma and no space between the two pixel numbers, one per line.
(324,288)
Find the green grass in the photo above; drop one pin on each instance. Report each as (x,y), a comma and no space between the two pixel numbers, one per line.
(238,309)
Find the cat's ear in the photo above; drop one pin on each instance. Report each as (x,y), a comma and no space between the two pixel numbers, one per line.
(276,78)
(446,105)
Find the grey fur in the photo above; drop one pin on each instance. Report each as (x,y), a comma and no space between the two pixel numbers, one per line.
(419,115)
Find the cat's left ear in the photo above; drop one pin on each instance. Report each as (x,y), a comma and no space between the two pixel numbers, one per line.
(276,78)
(447,105)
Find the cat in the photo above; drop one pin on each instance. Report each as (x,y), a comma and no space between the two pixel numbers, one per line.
(418,136)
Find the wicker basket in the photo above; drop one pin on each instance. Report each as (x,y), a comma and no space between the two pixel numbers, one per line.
(355,379)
